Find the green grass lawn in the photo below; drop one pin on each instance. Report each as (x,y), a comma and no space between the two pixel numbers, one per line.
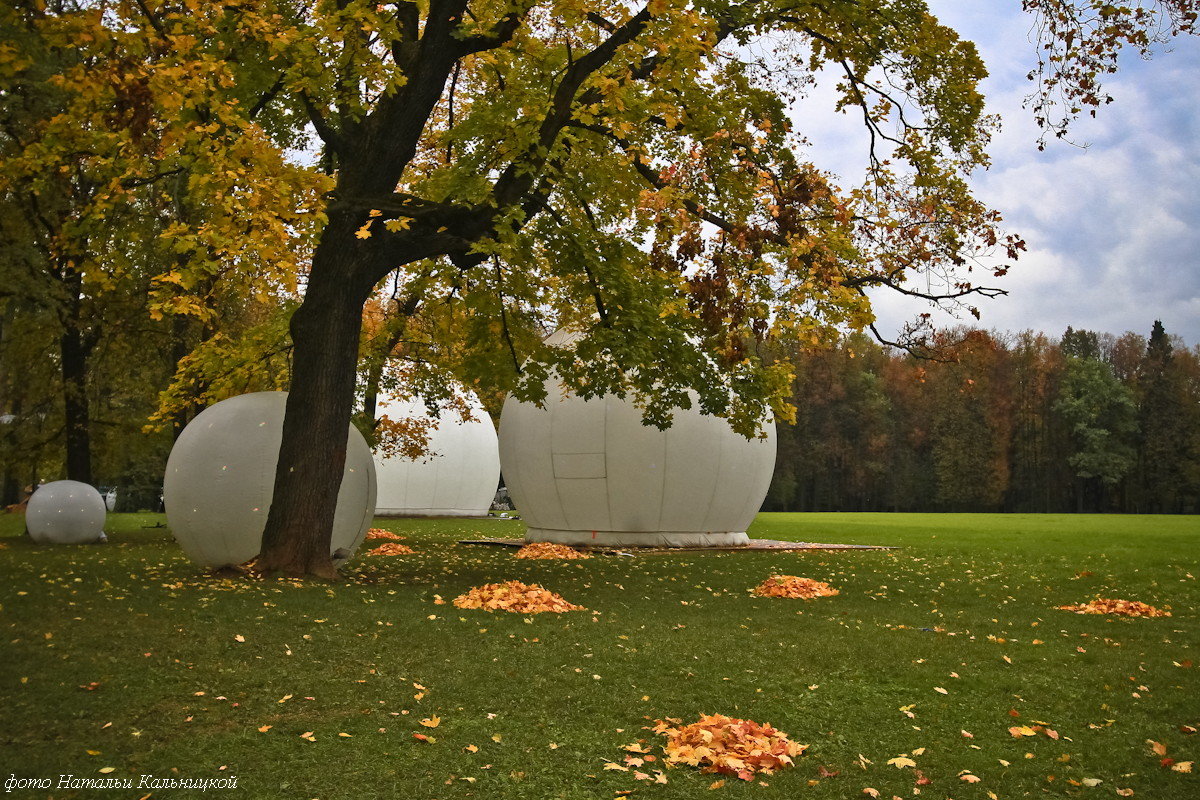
(932,650)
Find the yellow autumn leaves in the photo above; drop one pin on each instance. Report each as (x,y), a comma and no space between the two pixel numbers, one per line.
(1123,608)
(391,549)
(791,586)
(727,745)
(521,598)
(549,550)
(388,548)
(380,533)
(516,597)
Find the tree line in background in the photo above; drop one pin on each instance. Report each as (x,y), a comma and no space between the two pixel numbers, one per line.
(998,422)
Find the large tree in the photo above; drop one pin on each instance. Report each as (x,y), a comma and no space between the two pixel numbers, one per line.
(637,162)
(631,170)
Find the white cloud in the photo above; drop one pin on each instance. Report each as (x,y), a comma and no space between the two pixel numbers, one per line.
(1113,229)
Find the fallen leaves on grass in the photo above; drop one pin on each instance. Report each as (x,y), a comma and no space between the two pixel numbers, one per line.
(791,586)
(739,747)
(1123,608)
(549,550)
(1017,731)
(516,597)
(391,549)
(380,533)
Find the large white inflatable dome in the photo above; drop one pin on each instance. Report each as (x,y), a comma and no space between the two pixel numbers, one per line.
(458,477)
(221,477)
(588,472)
(65,512)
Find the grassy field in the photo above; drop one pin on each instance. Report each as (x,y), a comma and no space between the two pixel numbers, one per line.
(126,656)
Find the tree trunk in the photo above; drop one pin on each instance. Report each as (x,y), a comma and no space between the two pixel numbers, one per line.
(10,483)
(9,486)
(325,334)
(75,355)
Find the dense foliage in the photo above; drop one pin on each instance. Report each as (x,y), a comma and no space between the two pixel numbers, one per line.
(1006,422)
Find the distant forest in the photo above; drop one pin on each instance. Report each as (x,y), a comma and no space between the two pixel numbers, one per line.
(1000,422)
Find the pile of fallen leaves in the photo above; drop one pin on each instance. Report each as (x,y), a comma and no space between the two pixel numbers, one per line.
(380,533)
(391,549)
(549,550)
(718,743)
(516,597)
(1124,608)
(791,586)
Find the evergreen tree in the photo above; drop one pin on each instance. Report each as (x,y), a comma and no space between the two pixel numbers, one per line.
(1161,420)
(1101,417)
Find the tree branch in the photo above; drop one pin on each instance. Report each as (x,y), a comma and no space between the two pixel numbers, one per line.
(331,137)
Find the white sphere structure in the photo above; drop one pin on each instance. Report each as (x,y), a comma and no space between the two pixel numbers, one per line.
(221,476)
(65,512)
(458,477)
(588,472)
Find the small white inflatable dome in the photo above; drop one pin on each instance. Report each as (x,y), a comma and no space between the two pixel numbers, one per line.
(588,472)
(459,476)
(221,476)
(65,512)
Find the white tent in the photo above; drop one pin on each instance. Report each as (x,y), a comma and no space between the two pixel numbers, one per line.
(65,512)
(589,472)
(456,479)
(221,476)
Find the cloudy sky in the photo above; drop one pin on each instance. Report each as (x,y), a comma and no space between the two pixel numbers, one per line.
(1112,228)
